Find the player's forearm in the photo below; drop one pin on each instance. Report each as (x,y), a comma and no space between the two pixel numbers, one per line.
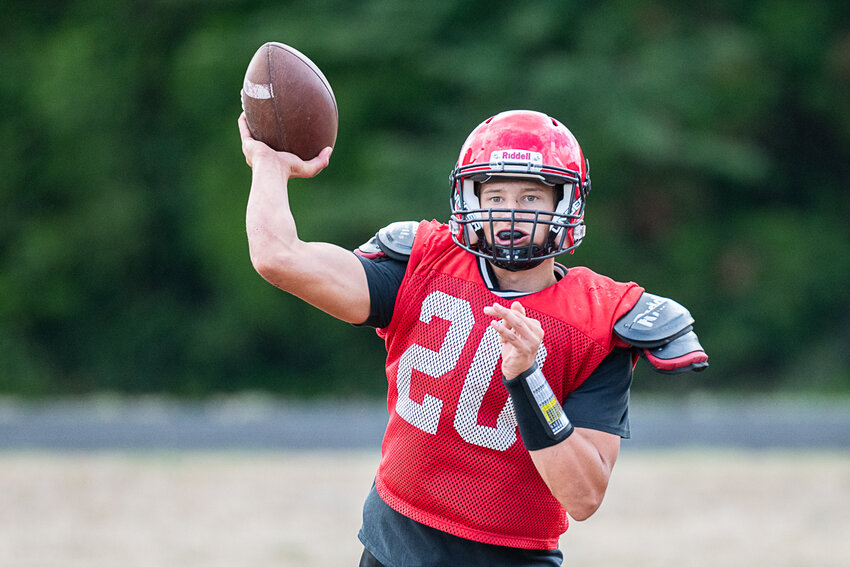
(322,274)
(576,471)
(575,463)
(270,226)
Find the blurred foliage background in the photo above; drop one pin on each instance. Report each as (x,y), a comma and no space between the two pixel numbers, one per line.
(717,133)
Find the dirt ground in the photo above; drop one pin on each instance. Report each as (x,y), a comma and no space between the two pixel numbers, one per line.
(676,508)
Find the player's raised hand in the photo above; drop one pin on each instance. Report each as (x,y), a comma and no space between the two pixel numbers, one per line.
(290,164)
(520,335)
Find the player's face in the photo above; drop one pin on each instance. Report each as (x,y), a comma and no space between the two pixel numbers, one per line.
(522,194)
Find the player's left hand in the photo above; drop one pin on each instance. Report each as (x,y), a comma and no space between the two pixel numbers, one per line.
(520,335)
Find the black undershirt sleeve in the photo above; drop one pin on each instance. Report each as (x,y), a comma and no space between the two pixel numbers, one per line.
(602,401)
(384,276)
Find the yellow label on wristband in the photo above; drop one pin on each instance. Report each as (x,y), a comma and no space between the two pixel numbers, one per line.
(547,402)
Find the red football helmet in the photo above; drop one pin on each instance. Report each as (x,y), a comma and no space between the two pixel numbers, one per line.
(520,144)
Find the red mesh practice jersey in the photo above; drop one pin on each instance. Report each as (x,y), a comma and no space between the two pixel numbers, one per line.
(452,458)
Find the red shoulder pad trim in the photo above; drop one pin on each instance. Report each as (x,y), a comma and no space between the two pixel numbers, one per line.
(679,355)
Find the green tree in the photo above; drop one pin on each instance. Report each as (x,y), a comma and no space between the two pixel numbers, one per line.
(717,137)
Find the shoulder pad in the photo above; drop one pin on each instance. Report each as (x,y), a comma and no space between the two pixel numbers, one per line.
(653,321)
(370,249)
(679,355)
(663,330)
(394,241)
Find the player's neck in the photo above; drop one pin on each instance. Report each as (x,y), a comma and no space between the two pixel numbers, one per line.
(528,281)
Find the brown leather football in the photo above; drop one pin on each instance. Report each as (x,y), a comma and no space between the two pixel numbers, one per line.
(288,102)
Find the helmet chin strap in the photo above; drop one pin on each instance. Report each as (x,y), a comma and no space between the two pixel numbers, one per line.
(517,266)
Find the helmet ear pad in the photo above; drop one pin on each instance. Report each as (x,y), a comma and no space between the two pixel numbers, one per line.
(562,235)
(466,220)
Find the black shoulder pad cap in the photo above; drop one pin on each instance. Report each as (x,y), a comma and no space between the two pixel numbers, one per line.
(396,239)
(653,321)
(663,330)
(679,355)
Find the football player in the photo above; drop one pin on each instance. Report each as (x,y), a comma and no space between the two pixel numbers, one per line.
(508,373)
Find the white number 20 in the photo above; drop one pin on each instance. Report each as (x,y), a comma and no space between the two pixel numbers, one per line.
(426,415)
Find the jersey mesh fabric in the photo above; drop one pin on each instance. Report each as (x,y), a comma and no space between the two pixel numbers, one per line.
(451,457)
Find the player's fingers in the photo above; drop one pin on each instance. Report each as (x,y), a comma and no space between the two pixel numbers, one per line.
(528,328)
(519,321)
(325,156)
(507,334)
(497,310)
(311,168)
(508,318)
(244,132)
(245,135)
(519,331)
(515,317)
(518,307)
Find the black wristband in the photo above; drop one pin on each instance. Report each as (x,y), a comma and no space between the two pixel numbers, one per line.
(541,419)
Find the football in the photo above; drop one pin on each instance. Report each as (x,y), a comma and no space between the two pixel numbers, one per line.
(288,102)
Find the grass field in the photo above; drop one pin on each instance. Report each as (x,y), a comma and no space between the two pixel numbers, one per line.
(665,508)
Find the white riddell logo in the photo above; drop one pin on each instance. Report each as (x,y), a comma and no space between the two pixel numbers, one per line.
(651,313)
(516,155)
